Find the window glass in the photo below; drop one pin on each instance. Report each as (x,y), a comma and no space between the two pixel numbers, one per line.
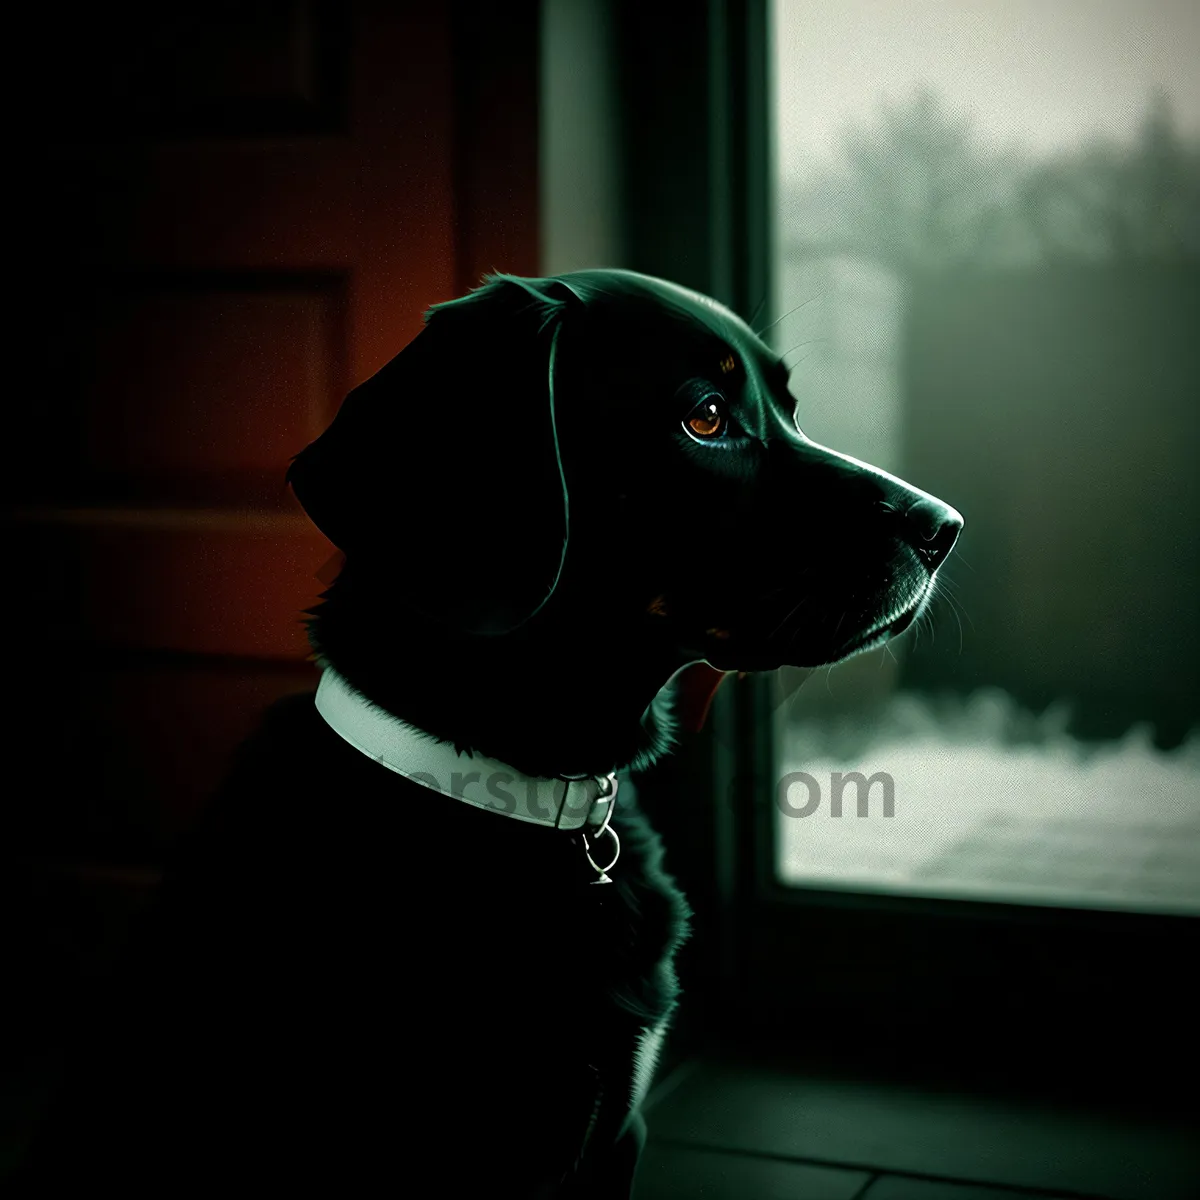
(987,246)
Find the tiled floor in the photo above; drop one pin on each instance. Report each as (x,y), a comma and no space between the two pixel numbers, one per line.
(722,1129)
(672,1172)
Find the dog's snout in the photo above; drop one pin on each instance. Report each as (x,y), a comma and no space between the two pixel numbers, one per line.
(931,528)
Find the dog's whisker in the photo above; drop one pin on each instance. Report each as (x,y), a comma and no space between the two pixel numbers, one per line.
(799,361)
(959,607)
(952,586)
(792,701)
(760,332)
(950,600)
(799,345)
(945,588)
(757,310)
(790,613)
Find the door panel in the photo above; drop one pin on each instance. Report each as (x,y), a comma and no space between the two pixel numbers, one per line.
(211,376)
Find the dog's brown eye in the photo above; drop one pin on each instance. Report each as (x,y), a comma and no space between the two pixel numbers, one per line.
(708,418)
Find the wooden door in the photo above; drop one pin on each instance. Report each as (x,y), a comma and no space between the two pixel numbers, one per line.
(232,212)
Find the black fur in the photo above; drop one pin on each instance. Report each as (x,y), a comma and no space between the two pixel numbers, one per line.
(352,980)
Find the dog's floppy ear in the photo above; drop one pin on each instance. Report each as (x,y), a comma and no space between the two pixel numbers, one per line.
(444,469)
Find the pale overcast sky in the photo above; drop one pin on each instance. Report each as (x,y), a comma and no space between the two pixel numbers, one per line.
(1044,73)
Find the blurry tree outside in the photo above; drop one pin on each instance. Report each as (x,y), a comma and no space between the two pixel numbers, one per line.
(919,191)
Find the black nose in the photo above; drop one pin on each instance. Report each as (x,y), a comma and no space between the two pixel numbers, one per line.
(931,528)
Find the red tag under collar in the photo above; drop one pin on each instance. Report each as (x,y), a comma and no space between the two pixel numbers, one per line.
(695,687)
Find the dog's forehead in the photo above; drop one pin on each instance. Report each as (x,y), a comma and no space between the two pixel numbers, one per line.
(703,306)
(670,316)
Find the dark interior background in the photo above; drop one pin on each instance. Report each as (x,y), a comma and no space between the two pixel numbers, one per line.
(227,215)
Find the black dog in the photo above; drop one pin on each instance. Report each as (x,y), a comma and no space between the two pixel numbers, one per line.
(560,493)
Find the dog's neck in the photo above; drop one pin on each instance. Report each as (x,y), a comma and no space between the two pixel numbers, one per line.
(537,700)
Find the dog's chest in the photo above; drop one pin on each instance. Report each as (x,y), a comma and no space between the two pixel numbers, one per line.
(639,921)
(645,1061)
(462,924)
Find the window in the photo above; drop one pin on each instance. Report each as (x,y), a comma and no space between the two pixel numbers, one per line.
(987,251)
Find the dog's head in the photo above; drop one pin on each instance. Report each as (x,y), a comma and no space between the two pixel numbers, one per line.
(614,453)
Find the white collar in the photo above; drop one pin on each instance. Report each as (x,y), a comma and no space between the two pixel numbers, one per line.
(574,804)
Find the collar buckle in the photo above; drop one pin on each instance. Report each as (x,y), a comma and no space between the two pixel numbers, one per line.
(609,799)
